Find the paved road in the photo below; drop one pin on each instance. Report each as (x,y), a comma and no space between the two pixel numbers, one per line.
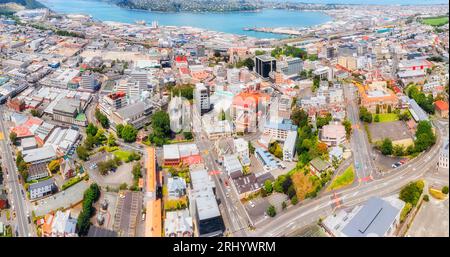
(17,201)
(233,212)
(362,152)
(304,214)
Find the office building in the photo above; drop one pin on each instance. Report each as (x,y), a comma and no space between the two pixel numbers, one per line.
(289,146)
(264,65)
(201,98)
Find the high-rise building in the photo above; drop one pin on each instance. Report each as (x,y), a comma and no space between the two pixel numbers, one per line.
(141,78)
(113,102)
(87,81)
(201,97)
(292,66)
(264,65)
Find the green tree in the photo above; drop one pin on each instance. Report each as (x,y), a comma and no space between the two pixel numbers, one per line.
(129,133)
(268,186)
(425,137)
(91,129)
(411,192)
(445,189)
(102,119)
(294,200)
(119,128)
(389,109)
(188,135)
(386,147)
(260,52)
(161,123)
(271,211)
(299,117)
(13,137)
(322,121)
(283,205)
(348,128)
(399,150)
(34,113)
(53,166)
(111,140)
(377,110)
(377,118)
(82,153)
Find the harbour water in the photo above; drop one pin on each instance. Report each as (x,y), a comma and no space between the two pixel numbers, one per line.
(231,22)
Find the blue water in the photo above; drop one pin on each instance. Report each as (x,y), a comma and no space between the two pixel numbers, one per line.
(233,22)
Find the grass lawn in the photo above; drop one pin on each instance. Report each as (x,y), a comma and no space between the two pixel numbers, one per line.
(435,21)
(387,117)
(123,155)
(344,179)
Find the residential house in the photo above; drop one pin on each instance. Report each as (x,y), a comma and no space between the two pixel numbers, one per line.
(317,166)
(176,187)
(41,189)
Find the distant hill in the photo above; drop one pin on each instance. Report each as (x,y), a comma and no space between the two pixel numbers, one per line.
(28,4)
(191,5)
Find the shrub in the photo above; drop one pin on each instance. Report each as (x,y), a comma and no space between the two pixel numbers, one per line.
(271,211)
(294,200)
(426,198)
(405,211)
(445,190)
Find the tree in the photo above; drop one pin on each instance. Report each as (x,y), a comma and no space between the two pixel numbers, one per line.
(91,129)
(322,121)
(119,129)
(260,52)
(377,118)
(445,190)
(188,135)
(322,148)
(53,166)
(398,150)
(111,140)
(365,115)
(251,148)
(299,117)
(386,146)
(82,153)
(411,192)
(268,186)
(404,116)
(283,205)
(102,119)
(294,200)
(425,137)
(389,109)
(426,198)
(348,128)
(13,137)
(129,133)
(34,113)
(271,211)
(222,115)
(161,123)
(377,110)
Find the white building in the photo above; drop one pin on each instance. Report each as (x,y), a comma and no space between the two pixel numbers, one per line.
(241,148)
(443,156)
(179,114)
(289,146)
(201,98)
(178,224)
(233,76)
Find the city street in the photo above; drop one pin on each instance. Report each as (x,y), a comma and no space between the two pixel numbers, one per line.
(18,203)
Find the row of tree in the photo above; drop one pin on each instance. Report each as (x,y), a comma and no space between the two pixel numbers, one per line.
(90,196)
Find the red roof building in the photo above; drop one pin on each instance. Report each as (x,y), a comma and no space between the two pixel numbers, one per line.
(441,108)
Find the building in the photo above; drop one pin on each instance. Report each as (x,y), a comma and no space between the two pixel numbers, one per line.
(376,218)
(264,65)
(179,114)
(140,77)
(317,166)
(176,187)
(233,76)
(201,98)
(416,111)
(178,224)
(279,129)
(136,115)
(37,171)
(267,160)
(67,168)
(113,102)
(39,155)
(176,154)
(333,134)
(88,81)
(41,189)
(248,111)
(443,155)
(63,225)
(441,108)
(377,94)
(203,205)
(69,110)
(232,165)
(241,149)
(289,146)
(291,66)
(16,104)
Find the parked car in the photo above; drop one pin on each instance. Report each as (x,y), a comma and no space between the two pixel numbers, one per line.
(251,204)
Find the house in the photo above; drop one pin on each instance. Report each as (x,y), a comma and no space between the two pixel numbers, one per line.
(67,168)
(441,108)
(59,225)
(443,155)
(317,166)
(232,165)
(333,134)
(37,171)
(241,149)
(376,218)
(178,224)
(336,153)
(41,189)
(267,159)
(176,187)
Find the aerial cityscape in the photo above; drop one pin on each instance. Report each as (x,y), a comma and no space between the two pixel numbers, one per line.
(230,118)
